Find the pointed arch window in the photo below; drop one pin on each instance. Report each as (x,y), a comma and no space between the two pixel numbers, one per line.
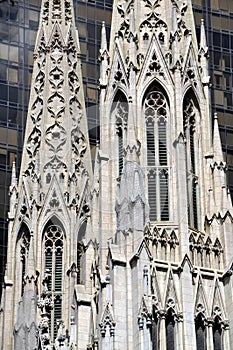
(53,247)
(155,330)
(170,331)
(120,112)
(23,245)
(80,251)
(190,114)
(217,335)
(156,112)
(218,329)
(200,331)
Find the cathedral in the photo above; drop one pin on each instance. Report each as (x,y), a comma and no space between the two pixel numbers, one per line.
(136,251)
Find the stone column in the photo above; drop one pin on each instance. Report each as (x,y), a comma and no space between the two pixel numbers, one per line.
(179,333)
(162,332)
(210,343)
(226,337)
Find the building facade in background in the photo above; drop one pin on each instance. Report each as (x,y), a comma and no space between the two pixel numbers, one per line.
(135,252)
(218,17)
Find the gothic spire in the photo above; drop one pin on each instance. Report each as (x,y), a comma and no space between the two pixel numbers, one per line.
(13,176)
(203,54)
(56,111)
(217,146)
(104,57)
(203,42)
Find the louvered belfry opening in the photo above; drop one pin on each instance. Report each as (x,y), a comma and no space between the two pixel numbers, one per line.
(190,115)
(120,115)
(156,113)
(53,243)
(23,243)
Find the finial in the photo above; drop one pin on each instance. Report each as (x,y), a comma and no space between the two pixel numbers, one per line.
(217,145)
(174,19)
(103,38)
(203,44)
(13,176)
(132,20)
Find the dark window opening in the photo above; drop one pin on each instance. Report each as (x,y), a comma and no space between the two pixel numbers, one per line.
(170,332)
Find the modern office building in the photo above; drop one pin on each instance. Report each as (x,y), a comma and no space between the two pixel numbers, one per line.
(135,253)
(18,26)
(218,17)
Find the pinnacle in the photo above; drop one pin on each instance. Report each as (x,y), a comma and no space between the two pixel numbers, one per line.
(217,147)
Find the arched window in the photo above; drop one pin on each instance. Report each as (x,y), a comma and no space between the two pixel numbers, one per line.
(190,115)
(80,251)
(23,247)
(156,112)
(170,331)
(217,335)
(200,333)
(120,113)
(53,247)
(217,329)
(154,331)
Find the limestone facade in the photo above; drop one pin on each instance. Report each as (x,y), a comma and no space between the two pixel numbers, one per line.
(137,252)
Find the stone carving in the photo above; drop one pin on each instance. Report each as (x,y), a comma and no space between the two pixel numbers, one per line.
(53,204)
(24,210)
(155,105)
(56,10)
(45,12)
(107,321)
(68,12)
(189,114)
(154,66)
(78,140)
(118,76)
(161,237)
(34,139)
(189,74)
(56,135)
(153,21)
(144,314)
(205,252)
(45,304)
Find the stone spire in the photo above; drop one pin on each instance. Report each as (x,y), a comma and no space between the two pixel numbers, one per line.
(104,58)
(133,146)
(13,192)
(204,54)
(56,111)
(217,146)
(219,168)
(56,172)
(203,42)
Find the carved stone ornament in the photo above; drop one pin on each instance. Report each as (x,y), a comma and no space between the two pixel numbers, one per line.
(154,66)
(107,320)
(36,110)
